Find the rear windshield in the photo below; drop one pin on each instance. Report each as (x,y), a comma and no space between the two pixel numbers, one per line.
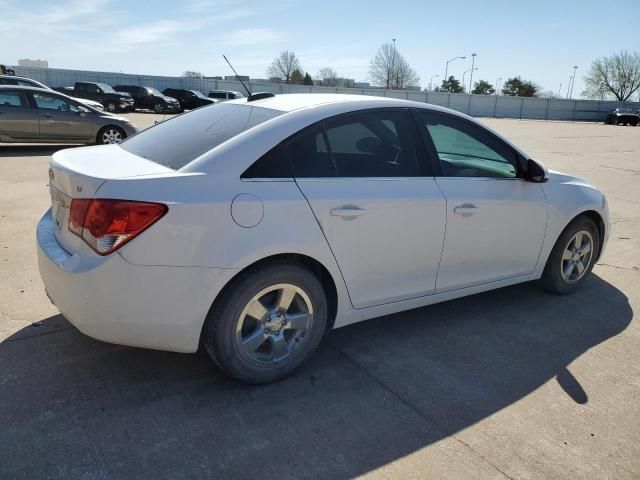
(184,138)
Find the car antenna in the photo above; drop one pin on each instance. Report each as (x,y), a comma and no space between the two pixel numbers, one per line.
(237,76)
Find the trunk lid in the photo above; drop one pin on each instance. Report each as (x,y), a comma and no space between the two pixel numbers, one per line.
(80,172)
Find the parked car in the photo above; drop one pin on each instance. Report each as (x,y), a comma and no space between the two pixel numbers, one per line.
(147,98)
(104,94)
(38,115)
(225,95)
(189,99)
(28,82)
(624,116)
(254,226)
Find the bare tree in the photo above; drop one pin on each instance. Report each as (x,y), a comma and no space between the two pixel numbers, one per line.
(617,75)
(283,66)
(191,74)
(328,77)
(390,69)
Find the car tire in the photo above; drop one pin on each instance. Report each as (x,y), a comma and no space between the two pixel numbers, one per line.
(262,350)
(110,107)
(158,108)
(572,257)
(109,135)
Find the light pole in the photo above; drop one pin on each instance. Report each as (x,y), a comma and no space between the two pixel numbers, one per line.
(431,82)
(446,68)
(560,90)
(465,72)
(393,61)
(498,80)
(573,80)
(473,61)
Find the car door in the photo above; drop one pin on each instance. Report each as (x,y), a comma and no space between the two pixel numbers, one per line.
(496,220)
(61,119)
(18,121)
(376,202)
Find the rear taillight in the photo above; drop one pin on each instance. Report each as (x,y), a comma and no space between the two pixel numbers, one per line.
(105,225)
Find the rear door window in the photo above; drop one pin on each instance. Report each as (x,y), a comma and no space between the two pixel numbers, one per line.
(366,144)
(178,141)
(13,99)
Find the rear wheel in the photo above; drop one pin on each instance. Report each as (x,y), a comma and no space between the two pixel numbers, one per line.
(572,257)
(266,323)
(110,135)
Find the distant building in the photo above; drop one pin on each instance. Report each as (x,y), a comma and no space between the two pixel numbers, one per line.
(335,82)
(362,85)
(244,78)
(25,62)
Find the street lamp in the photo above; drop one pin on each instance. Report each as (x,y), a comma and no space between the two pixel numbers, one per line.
(446,68)
(393,61)
(465,72)
(573,80)
(431,82)
(473,61)
(498,80)
(559,91)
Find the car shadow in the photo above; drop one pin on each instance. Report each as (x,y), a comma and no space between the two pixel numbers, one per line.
(374,392)
(38,150)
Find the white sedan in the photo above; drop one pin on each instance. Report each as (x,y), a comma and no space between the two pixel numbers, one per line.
(256,225)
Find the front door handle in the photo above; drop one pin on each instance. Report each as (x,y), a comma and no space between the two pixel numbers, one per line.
(48,115)
(466,209)
(347,211)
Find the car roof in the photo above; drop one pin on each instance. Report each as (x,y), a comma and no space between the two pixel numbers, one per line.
(23,87)
(296,101)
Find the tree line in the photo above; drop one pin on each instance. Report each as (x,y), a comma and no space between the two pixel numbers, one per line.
(614,77)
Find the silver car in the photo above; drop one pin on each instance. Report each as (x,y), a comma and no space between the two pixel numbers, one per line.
(37,115)
(29,82)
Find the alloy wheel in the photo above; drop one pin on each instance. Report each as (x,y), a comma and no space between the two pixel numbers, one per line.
(111,136)
(576,257)
(274,323)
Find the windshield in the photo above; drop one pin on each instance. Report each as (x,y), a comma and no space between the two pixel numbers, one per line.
(184,138)
(198,93)
(154,91)
(625,110)
(106,88)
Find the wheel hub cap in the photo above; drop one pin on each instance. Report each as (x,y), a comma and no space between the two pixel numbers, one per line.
(275,322)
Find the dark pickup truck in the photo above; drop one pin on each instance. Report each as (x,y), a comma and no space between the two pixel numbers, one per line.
(623,116)
(100,92)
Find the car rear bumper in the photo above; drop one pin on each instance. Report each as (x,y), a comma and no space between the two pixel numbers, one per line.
(109,299)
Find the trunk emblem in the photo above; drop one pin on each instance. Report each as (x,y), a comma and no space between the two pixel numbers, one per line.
(51,175)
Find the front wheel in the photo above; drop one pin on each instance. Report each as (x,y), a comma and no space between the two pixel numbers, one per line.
(110,135)
(266,323)
(572,257)
(158,108)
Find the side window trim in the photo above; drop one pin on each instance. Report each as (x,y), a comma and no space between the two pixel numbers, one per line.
(430,145)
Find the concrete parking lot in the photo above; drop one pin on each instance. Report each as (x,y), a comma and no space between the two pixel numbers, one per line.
(513,383)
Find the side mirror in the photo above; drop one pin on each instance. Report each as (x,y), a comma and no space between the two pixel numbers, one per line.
(82,111)
(536,172)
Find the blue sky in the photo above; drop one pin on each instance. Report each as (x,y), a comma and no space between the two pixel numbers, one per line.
(539,40)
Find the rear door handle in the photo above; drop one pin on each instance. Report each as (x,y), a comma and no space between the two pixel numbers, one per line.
(466,209)
(347,211)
